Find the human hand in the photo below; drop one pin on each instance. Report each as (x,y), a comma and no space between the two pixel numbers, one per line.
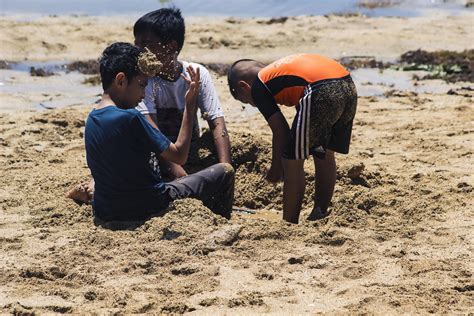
(193,87)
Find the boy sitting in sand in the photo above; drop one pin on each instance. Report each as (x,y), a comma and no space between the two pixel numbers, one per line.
(162,32)
(325,99)
(119,140)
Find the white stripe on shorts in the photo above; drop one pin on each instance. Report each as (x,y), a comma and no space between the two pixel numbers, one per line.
(298,127)
(302,134)
(297,141)
(308,120)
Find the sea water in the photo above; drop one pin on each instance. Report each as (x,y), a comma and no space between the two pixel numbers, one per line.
(236,8)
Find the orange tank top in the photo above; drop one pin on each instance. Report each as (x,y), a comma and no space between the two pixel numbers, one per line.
(286,78)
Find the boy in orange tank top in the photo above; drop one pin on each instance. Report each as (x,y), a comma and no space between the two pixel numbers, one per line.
(325,99)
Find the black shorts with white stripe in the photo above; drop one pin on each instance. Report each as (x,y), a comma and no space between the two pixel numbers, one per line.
(323,120)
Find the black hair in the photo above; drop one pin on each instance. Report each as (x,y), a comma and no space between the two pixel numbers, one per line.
(167,24)
(235,74)
(118,57)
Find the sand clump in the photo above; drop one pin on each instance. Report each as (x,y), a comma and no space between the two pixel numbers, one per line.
(149,64)
(355,171)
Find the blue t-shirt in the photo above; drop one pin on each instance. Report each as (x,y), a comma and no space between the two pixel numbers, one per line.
(118,147)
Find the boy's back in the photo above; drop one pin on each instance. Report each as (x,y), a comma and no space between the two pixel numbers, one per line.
(286,78)
(118,145)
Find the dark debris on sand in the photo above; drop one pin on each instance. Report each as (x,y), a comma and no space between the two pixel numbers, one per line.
(5,64)
(219,68)
(40,72)
(276,20)
(447,65)
(87,67)
(374,4)
(92,80)
(354,62)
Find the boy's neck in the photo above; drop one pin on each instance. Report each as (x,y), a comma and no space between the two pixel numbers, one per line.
(105,100)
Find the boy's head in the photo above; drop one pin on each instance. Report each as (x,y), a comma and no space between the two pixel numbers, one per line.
(162,31)
(120,75)
(240,78)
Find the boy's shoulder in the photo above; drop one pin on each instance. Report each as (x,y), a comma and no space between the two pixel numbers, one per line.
(114,112)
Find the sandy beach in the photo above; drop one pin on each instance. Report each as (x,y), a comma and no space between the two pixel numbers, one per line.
(399,239)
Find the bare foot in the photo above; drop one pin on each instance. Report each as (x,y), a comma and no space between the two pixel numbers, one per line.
(317,213)
(82,193)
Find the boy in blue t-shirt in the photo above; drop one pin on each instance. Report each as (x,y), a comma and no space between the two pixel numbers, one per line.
(119,141)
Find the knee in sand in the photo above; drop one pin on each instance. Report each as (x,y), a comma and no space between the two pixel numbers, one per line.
(227,167)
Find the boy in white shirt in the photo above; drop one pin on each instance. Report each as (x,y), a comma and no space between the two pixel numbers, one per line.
(162,32)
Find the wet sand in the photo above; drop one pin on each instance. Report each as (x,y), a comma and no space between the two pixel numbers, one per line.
(399,239)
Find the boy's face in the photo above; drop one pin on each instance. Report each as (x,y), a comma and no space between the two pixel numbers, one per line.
(244,93)
(164,52)
(133,91)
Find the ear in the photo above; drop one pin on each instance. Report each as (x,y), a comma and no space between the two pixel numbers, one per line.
(121,79)
(243,85)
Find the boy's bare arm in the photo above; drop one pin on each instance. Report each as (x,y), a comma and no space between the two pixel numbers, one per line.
(280,130)
(221,139)
(174,170)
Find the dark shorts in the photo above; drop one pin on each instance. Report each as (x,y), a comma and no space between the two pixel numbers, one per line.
(323,120)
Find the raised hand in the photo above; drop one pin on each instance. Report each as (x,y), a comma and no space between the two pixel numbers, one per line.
(193,89)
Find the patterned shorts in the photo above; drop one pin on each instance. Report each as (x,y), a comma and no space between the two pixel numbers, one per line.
(323,120)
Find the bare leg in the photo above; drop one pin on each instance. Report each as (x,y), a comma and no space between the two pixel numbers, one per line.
(82,193)
(325,182)
(293,189)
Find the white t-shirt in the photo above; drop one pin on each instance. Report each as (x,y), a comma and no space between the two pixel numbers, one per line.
(166,99)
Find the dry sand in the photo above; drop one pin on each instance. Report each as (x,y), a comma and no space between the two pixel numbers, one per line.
(399,239)
(225,40)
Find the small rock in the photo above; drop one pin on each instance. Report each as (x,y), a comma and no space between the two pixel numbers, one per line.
(355,171)
(294,260)
(185,270)
(53,303)
(226,235)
